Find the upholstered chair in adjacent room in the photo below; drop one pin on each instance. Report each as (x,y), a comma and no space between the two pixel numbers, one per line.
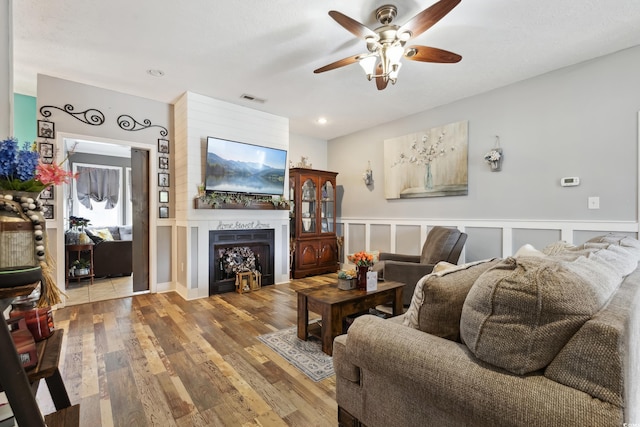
(442,244)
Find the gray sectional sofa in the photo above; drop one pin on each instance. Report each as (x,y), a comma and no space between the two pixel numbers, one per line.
(114,256)
(545,338)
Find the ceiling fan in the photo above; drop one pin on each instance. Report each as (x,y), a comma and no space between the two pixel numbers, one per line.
(386,44)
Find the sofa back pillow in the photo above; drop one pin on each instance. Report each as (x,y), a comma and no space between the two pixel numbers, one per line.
(437,300)
(625,242)
(126,232)
(104,234)
(519,314)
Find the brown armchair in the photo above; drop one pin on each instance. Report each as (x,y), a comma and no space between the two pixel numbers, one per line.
(442,244)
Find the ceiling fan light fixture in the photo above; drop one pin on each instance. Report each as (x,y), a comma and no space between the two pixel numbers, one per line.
(372,38)
(394,53)
(393,74)
(404,36)
(386,44)
(368,64)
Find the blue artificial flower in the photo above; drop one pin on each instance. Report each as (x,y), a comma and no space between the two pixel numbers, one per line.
(26,164)
(18,166)
(8,151)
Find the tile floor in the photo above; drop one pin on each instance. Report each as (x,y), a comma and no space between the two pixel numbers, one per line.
(102,289)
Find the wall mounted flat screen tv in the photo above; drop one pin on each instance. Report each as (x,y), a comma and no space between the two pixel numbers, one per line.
(239,167)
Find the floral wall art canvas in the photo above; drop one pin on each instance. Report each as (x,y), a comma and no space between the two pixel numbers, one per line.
(430,163)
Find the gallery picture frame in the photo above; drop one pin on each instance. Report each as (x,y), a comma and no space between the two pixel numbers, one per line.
(163,179)
(163,196)
(163,162)
(47,160)
(47,211)
(163,212)
(47,193)
(163,146)
(46,129)
(46,149)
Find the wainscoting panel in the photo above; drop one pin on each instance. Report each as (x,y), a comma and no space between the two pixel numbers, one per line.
(487,238)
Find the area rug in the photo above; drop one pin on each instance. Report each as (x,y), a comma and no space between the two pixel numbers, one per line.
(307,356)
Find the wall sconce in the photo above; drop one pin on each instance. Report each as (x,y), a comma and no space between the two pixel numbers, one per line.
(494,157)
(367,176)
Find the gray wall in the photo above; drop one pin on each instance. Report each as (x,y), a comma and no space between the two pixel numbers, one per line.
(57,92)
(577,121)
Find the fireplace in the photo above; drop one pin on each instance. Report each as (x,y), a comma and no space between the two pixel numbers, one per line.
(230,250)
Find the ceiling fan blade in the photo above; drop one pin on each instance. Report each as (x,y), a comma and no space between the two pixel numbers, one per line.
(338,64)
(381,83)
(431,54)
(428,17)
(351,25)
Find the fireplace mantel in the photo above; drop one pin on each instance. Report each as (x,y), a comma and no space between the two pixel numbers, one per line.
(200,203)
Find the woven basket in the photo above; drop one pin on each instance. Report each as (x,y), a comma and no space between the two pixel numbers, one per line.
(17,246)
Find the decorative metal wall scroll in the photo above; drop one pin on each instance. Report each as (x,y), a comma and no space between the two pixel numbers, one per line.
(95,117)
(92,116)
(128,123)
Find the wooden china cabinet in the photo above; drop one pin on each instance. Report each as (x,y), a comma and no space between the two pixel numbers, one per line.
(313,222)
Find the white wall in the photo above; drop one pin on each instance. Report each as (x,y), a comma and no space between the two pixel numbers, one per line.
(313,148)
(577,121)
(197,117)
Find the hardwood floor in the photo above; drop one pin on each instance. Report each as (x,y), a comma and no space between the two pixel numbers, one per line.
(102,289)
(158,360)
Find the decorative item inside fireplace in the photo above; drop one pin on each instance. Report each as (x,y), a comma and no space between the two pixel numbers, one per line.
(237,259)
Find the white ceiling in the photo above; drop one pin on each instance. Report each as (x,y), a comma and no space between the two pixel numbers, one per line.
(269,49)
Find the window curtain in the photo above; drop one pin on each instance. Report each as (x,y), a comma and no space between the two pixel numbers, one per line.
(98,184)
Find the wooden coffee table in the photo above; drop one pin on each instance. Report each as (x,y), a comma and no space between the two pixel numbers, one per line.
(335,304)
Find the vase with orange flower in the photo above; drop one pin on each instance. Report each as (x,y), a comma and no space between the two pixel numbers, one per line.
(363,262)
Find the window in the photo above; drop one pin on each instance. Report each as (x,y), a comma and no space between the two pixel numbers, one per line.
(98,215)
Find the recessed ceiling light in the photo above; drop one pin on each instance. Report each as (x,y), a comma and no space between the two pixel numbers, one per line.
(321,121)
(155,73)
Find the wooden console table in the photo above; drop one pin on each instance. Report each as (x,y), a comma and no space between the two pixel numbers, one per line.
(335,304)
(78,249)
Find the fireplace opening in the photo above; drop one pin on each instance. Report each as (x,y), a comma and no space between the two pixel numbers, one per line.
(233,251)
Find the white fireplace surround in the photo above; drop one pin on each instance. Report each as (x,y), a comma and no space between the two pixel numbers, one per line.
(232,219)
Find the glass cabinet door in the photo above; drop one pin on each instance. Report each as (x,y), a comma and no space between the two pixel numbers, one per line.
(292,207)
(309,206)
(327,207)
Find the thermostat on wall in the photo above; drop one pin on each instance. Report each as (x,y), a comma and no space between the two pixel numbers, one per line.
(570,181)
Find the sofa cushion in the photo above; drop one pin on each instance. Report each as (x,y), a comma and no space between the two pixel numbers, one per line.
(519,314)
(557,247)
(528,250)
(126,233)
(623,259)
(437,300)
(629,243)
(94,237)
(103,233)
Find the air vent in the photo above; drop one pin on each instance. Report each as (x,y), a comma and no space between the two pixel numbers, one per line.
(252,98)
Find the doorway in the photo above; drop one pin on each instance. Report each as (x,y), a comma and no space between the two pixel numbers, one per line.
(112,192)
